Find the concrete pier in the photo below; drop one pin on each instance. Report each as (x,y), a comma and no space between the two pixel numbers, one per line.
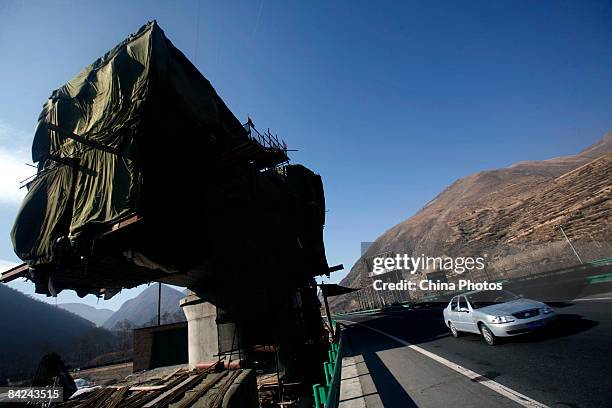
(202,333)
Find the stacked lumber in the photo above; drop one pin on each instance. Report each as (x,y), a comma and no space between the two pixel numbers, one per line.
(180,389)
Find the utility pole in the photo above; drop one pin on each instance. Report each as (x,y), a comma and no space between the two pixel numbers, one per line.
(159,303)
(570,244)
(328,313)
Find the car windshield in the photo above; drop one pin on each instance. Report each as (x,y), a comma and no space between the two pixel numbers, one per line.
(490,297)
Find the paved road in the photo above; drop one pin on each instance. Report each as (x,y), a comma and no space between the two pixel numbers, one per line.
(567,365)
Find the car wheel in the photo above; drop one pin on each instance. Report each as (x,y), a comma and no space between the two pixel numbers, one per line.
(453,329)
(488,335)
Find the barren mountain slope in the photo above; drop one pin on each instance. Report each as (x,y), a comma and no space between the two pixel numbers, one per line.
(510,214)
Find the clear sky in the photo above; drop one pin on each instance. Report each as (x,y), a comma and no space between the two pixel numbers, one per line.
(390,101)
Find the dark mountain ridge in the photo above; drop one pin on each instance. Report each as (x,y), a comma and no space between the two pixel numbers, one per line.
(32,328)
(93,314)
(142,310)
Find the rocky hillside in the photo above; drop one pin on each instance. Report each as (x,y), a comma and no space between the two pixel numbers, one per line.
(510,216)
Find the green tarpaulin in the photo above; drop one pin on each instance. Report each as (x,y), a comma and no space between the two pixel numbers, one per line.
(150,119)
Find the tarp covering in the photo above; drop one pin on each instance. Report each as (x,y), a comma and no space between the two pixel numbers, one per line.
(149,118)
(42,221)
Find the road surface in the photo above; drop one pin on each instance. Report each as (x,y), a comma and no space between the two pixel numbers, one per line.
(408,358)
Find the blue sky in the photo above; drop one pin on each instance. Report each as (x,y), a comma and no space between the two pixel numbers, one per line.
(389,101)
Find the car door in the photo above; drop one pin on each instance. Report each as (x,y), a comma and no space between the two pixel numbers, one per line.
(451,311)
(470,318)
(460,315)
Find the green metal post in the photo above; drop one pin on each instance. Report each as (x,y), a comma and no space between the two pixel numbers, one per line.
(317,397)
(323,395)
(328,373)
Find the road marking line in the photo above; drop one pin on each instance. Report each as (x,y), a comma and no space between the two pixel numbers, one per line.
(515,396)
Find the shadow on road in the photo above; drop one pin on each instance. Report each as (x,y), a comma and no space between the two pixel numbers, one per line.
(429,322)
(389,390)
(565,325)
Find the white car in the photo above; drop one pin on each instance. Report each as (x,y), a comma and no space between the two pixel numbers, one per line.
(495,313)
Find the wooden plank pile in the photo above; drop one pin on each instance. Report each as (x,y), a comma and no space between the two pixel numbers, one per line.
(179,389)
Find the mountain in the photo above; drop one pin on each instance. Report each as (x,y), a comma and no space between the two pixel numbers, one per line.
(510,217)
(93,314)
(31,329)
(142,310)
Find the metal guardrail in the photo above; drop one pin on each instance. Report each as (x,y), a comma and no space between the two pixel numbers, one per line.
(328,395)
(599,262)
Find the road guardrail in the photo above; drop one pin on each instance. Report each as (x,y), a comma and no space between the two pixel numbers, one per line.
(327,395)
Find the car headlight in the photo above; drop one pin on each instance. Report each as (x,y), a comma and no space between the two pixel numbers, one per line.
(546,310)
(502,319)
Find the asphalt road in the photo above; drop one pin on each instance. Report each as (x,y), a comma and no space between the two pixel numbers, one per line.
(566,365)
